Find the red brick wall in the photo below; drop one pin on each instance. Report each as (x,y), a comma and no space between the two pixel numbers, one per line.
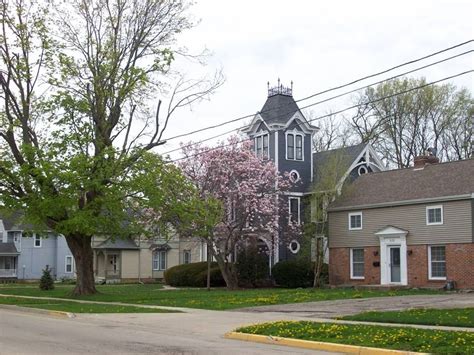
(459,266)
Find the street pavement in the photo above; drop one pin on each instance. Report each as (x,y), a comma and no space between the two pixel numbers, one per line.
(195,332)
(192,332)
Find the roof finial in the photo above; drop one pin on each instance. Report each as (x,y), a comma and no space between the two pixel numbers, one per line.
(280,89)
(292,87)
(268,85)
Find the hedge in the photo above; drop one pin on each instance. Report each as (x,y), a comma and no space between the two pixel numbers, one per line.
(193,275)
(296,273)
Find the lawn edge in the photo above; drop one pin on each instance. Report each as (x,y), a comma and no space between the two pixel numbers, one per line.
(60,314)
(314,345)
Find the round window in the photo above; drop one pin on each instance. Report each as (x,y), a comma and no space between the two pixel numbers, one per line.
(294,246)
(294,176)
(362,170)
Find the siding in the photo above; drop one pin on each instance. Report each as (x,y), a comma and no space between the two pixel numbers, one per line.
(457,227)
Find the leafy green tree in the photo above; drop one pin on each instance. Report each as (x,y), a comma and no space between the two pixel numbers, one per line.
(331,182)
(406,125)
(76,127)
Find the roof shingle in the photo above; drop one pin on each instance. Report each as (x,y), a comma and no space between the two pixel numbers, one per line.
(433,181)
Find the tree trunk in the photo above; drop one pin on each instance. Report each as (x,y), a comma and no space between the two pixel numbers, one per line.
(318,265)
(228,273)
(209,261)
(81,249)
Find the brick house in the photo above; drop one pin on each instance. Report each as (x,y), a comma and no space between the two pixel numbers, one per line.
(409,226)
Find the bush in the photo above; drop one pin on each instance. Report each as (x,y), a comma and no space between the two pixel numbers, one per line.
(46,281)
(293,273)
(296,273)
(193,275)
(252,268)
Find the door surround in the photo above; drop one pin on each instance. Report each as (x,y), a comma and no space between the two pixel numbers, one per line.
(392,237)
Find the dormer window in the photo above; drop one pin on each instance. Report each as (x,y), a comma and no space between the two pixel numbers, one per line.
(261,146)
(294,146)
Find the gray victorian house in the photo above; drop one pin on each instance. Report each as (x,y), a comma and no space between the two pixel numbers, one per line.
(282,133)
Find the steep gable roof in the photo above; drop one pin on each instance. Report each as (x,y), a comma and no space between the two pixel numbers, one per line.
(347,156)
(393,186)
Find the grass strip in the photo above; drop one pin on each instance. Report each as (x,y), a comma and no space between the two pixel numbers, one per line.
(216,299)
(396,338)
(462,317)
(75,307)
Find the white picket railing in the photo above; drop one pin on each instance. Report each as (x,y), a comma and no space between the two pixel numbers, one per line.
(7,272)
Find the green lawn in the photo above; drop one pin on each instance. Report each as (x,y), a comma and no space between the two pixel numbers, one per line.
(219,299)
(463,317)
(408,339)
(74,307)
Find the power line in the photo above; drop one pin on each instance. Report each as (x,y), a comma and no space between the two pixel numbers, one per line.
(335,97)
(323,92)
(317,118)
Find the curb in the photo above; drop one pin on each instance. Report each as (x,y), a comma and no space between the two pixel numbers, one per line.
(46,312)
(315,345)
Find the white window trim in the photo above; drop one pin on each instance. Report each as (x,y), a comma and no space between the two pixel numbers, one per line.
(66,264)
(187,251)
(430,277)
(159,253)
(299,208)
(40,240)
(361,221)
(297,174)
(360,168)
(298,246)
(427,215)
(352,266)
(294,133)
(261,134)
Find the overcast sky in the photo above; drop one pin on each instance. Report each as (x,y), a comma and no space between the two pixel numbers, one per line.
(317,45)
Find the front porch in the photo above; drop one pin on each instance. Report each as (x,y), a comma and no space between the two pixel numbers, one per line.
(8,267)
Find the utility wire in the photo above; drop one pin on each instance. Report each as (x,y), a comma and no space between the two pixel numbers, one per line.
(322,92)
(348,108)
(333,97)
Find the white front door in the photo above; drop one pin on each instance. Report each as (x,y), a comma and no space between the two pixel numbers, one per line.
(393,260)
(394,264)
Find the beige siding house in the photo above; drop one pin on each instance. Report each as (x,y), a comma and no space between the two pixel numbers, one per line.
(142,260)
(406,227)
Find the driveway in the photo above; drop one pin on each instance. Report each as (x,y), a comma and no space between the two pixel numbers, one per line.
(337,308)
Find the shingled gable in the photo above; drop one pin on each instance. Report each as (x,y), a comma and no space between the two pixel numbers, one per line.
(348,155)
(436,181)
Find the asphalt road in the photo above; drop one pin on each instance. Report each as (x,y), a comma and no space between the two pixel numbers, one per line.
(196,332)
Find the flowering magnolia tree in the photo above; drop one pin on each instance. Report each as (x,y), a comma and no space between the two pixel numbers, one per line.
(249,190)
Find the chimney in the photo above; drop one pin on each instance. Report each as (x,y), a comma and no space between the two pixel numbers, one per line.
(429,158)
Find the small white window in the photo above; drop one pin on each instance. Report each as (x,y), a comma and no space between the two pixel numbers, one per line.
(355,221)
(262,146)
(37,241)
(437,262)
(159,260)
(357,264)
(69,264)
(294,146)
(294,246)
(362,170)
(434,215)
(186,256)
(294,209)
(294,176)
